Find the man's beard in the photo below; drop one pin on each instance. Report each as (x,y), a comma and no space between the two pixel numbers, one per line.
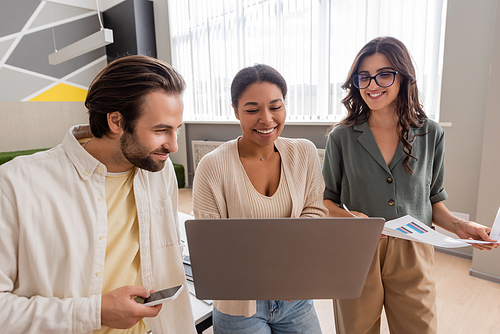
(138,155)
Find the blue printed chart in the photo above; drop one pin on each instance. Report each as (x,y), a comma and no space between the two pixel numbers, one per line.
(410,228)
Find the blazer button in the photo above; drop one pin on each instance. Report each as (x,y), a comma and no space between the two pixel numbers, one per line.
(391,202)
(389,179)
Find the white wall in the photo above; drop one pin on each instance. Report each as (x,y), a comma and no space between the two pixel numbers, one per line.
(467,102)
(467,56)
(464,104)
(487,264)
(32,125)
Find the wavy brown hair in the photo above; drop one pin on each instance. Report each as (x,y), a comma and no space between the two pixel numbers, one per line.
(123,85)
(409,110)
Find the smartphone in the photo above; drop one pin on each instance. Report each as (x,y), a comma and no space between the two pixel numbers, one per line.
(160,296)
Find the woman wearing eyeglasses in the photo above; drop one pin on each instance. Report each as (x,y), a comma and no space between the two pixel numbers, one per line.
(386,159)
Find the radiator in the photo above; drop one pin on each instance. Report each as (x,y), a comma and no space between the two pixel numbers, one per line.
(321,155)
(202,147)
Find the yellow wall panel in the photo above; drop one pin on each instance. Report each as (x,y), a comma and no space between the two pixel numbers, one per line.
(62,92)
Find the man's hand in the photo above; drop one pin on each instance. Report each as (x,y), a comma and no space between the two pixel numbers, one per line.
(475,231)
(120,310)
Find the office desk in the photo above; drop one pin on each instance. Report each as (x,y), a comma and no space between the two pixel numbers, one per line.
(202,311)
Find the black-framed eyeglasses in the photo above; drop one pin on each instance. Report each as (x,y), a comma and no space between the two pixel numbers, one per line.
(383,79)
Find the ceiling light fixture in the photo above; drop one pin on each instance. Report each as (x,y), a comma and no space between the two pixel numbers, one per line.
(99,39)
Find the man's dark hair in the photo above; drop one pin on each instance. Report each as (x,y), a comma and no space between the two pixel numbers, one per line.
(122,86)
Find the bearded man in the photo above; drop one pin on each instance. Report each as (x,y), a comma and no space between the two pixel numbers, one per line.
(92,223)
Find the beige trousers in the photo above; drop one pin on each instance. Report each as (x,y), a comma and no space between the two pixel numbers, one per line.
(401,280)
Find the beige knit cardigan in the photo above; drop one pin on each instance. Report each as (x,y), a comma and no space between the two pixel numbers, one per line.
(219,192)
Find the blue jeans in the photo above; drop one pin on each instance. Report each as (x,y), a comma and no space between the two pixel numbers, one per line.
(273,316)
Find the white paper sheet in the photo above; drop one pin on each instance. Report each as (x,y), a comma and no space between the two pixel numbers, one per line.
(410,228)
(495,229)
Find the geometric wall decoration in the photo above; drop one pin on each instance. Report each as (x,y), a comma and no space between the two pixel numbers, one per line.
(62,92)
(30,30)
(4,47)
(16,84)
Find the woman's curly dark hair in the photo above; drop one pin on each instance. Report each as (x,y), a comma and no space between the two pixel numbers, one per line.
(409,110)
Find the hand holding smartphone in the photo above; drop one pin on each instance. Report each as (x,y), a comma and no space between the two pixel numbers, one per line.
(160,296)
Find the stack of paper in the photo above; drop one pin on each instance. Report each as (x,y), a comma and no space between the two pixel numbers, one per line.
(410,228)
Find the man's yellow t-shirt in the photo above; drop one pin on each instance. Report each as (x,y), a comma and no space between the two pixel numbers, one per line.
(122,265)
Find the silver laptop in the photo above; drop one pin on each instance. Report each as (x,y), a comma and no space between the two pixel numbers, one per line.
(281,258)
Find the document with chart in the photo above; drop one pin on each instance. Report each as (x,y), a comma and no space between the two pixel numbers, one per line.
(410,228)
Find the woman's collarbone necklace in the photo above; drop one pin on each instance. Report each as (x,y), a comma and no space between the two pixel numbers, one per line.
(275,150)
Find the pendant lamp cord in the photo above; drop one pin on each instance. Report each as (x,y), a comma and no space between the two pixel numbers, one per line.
(99,14)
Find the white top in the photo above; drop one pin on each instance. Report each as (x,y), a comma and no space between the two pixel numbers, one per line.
(279,205)
(53,223)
